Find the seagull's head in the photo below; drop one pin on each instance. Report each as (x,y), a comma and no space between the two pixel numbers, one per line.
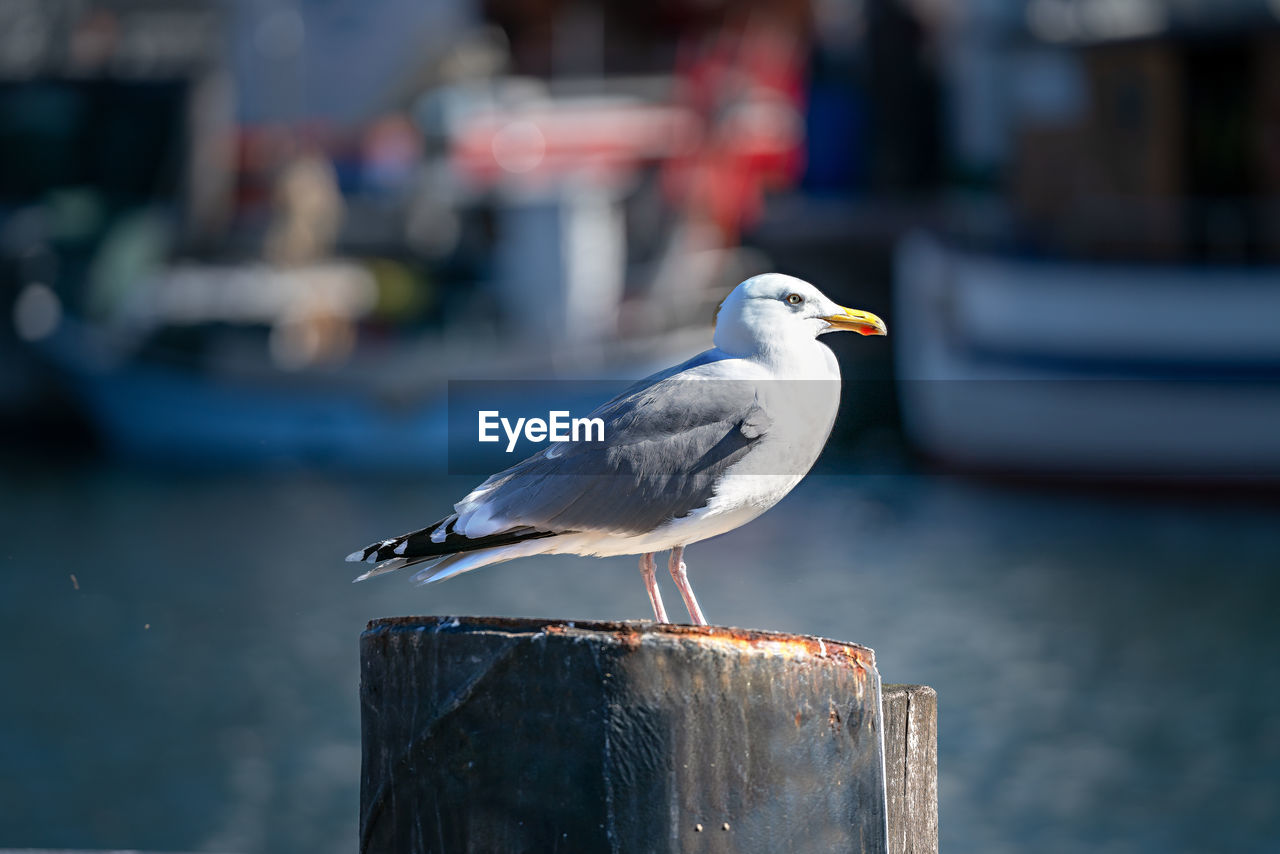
(777,307)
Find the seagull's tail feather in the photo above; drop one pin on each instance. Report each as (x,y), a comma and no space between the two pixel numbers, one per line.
(388,566)
(441,570)
(456,564)
(440,540)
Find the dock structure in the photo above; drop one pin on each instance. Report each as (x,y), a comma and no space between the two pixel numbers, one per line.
(488,734)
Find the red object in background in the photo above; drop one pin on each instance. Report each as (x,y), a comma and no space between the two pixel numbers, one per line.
(736,131)
(549,142)
(748,88)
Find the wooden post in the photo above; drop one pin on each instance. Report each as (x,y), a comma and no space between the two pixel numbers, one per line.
(483,734)
(911,766)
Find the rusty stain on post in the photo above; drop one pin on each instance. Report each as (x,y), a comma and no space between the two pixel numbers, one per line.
(485,734)
(633,632)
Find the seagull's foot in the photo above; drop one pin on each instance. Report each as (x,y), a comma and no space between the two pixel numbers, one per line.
(680,574)
(647,569)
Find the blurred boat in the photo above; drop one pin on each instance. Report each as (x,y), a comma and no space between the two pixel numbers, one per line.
(398,408)
(218,393)
(509,227)
(257,365)
(1037,367)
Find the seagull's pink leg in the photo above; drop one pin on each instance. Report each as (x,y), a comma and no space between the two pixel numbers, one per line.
(647,567)
(680,574)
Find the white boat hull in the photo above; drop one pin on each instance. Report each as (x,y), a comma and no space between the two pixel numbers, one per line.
(1081,370)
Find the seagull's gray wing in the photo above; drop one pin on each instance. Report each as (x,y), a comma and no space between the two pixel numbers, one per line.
(666,443)
(667,440)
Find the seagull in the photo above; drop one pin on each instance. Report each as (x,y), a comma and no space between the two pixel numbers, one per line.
(691,452)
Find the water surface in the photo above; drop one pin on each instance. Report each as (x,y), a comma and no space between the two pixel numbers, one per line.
(1106,665)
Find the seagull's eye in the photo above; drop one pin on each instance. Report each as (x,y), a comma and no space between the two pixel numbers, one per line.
(795,299)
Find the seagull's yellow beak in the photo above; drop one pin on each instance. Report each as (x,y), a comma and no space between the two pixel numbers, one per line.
(861,322)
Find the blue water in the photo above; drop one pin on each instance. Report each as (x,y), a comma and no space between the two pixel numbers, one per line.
(1108,667)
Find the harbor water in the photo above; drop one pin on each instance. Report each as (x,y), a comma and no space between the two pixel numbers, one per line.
(180,668)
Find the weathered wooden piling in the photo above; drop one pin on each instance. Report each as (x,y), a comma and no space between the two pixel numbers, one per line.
(484,735)
(911,767)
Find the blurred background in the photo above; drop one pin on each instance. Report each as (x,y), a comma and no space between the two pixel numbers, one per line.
(246,245)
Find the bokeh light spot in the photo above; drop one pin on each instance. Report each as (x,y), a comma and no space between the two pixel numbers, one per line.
(519,146)
(37,312)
